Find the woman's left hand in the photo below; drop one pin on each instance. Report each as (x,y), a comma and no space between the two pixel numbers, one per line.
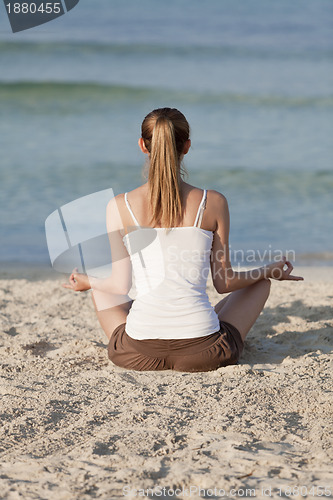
(77,282)
(276,271)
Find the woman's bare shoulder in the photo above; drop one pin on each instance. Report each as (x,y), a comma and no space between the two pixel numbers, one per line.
(215,196)
(119,200)
(117,205)
(139,190)
(116,202)
(216,199)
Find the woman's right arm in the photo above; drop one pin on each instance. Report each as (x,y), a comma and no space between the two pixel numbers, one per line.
(225,278)
(120,280)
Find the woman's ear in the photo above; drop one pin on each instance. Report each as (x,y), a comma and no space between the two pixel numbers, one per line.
(142,146)
(187,146)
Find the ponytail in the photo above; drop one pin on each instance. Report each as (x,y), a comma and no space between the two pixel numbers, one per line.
(165,132)
(164,176)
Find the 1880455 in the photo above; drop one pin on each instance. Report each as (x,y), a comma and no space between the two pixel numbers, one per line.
(304,491)
(32,8)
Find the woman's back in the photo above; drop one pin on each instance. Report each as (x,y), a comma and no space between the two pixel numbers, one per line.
(170,270)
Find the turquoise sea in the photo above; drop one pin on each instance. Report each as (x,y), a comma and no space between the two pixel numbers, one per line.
(255,80)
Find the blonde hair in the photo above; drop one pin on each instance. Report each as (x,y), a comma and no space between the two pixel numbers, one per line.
(165,132)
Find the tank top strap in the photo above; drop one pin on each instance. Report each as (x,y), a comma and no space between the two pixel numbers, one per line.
(130,211)
(202,206)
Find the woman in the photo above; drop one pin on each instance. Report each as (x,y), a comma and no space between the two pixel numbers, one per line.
(171,233)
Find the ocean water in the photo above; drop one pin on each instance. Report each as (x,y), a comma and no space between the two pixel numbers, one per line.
(255,80)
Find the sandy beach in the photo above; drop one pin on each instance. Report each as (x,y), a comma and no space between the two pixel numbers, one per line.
(74,426)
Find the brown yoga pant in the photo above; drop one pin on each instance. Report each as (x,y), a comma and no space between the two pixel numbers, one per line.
(199,354)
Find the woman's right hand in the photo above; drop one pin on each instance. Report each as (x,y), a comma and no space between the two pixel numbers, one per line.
(276,271)
(77,282)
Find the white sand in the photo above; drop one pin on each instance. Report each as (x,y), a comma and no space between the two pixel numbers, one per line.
(76,427)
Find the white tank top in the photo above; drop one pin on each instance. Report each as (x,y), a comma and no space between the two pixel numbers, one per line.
(170,268)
